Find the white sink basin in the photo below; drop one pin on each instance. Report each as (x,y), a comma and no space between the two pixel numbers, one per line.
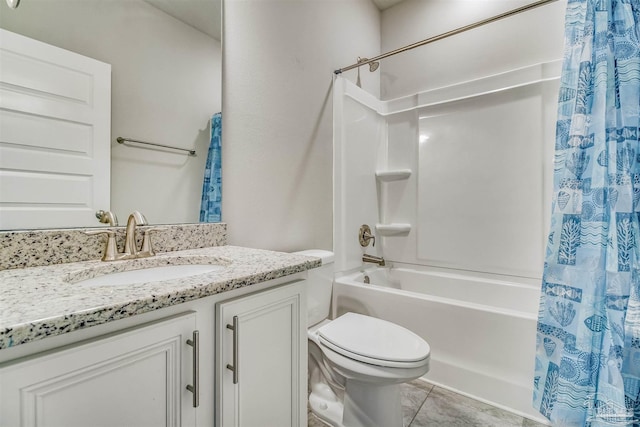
(151,274)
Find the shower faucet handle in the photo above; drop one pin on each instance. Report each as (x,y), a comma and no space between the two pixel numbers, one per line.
(365,235)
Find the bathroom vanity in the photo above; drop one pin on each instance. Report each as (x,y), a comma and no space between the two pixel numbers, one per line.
(200,334)
(223,348)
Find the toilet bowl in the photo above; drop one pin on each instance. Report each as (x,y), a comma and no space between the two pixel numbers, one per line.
(357,362)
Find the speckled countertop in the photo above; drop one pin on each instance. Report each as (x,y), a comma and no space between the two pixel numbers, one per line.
(39,302)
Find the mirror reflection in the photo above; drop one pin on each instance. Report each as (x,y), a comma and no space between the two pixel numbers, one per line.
(165,58)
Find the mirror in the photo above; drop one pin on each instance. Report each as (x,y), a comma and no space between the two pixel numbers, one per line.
(166,85)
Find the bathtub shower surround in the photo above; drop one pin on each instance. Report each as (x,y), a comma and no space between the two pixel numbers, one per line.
(457,187)
(588,342)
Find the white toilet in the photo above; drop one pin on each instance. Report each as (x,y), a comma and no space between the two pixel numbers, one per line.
(357,362)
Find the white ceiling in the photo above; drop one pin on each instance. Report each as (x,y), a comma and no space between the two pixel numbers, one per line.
(204,15)
(386,4)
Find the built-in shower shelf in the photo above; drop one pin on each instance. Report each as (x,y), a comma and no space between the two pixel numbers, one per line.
(394,229)
(393,175)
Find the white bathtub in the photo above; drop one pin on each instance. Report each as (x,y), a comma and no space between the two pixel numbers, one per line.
(482,332)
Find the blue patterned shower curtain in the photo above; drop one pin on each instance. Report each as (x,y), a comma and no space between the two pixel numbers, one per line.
(211,204)
(587,366)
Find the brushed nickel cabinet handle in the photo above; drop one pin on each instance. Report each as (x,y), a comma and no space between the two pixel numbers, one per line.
(195,388)
(236,350)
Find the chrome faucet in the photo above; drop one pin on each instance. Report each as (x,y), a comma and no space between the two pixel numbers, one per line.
(130,247)
(373,259)
(107,217)
(365,236)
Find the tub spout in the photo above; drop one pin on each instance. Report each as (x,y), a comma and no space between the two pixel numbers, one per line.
(373,259)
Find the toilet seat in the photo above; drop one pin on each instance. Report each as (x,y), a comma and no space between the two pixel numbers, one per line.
(374,341)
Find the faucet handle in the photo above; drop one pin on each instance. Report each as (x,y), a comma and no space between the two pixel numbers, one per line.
(365,235)
(107,217)
(111,248)
(147,248)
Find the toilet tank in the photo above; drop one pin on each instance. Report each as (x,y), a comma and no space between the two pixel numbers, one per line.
(319,286)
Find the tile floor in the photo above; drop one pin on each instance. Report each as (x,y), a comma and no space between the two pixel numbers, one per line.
(425,405)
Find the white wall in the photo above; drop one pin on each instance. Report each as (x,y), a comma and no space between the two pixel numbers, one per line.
(166,83)
(277,124)
(531,37)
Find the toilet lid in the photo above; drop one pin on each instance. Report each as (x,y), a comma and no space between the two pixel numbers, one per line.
(373,340)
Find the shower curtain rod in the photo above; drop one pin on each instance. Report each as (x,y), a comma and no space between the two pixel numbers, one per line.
(447,34)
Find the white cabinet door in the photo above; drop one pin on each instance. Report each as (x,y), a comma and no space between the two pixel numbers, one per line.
(133,378)
(269,360)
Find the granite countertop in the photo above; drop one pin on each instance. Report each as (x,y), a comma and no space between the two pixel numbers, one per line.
(40,302)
